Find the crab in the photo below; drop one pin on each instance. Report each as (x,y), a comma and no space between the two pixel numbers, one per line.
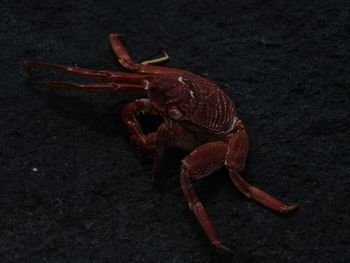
(198,117)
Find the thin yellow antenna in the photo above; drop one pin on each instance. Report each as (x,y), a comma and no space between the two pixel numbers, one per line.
(163,58)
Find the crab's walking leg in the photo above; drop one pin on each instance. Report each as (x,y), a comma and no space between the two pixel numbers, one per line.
(259,195)
(145,143)
(130,89)
(131,78)
(200,163)
(121,53)
(126,61)
(67,69)
(235,161)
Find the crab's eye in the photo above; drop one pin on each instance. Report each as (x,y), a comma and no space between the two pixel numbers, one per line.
(175,114)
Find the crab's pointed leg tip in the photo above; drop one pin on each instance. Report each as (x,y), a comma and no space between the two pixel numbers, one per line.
(224,249)
(291,208)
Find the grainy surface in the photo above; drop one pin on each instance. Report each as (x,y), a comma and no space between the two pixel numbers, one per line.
(73,189)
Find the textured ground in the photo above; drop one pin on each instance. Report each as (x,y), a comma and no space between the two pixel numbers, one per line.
(73,189)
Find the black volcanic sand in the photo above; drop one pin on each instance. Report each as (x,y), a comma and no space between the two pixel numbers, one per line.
(72,187)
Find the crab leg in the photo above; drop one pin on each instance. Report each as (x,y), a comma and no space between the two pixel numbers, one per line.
(235,161)
(203,161)
(132,89)
(259,195)
(121,53)
(97,74)
(126,61)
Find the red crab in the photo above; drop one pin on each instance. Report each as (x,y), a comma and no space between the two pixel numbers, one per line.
(198,117)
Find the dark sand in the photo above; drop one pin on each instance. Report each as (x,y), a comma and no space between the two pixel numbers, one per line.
(72,187)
